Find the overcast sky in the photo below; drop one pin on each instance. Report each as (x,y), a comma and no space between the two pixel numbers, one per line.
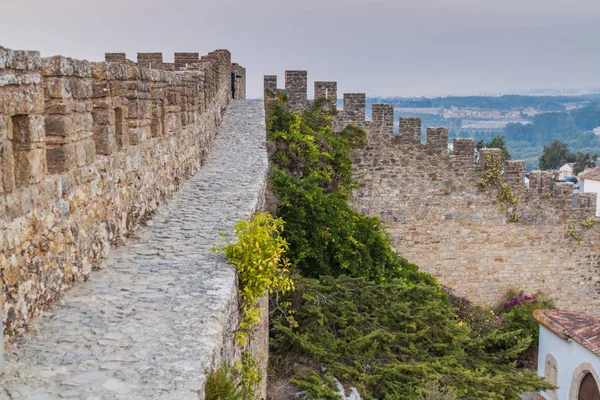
(381,47)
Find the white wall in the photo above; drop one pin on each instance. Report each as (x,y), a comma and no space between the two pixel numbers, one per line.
(565,173)
(590,186)
(568,354)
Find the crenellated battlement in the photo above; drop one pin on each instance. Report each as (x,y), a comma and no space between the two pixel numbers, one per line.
(183,61)
(327,90)
(90,149)
(149,60)
(381,138)
(446,211)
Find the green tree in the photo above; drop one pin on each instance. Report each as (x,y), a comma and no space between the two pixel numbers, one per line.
(588,117)
(497,142)
(584,161)
(555,155)
(391,340)
(361,313)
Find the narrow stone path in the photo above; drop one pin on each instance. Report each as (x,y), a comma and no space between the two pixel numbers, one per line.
(157,314)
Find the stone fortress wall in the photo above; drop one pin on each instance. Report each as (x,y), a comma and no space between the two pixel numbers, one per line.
(438,218)
(88,150)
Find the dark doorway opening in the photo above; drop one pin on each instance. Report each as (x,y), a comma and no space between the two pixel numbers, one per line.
(589,388)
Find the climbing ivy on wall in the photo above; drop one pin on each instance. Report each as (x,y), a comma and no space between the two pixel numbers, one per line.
(361,313)
(257,251)
(493,179)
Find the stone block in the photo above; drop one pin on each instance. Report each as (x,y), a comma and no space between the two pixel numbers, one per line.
(139,134)
(19,78)
(102,103)
(410,131)
(20,60)
(56,88)
(173,123)
(117,72)
(61,158)
(134,109)
(149,60)
(4,121)
(118,88)
(88,147)
(87,123)
(104,139)
(133,73)
(27,129)
(99,71)
(30,164)
(156,127)
(81,88)
(490,157)
(103,116)
(60,126)
(7,166)
(58,107)
(464,147)
(437,139)
(68,87)
(16,100)
(2,214)
(115,57)
(354,103)
(181,59)
(100,89)
(152,75)
(81,153)
(65,66)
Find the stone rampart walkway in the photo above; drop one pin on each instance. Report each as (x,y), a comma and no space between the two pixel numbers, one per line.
(154,317)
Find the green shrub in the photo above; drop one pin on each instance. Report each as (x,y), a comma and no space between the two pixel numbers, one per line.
(516,310)
(390,340)
(257,252)
(249,374)
(220,386)
(370,318)
(305,145)
(312,180)
(481,320)
(327,237)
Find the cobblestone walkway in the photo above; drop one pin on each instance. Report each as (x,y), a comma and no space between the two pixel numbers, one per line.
(148,324)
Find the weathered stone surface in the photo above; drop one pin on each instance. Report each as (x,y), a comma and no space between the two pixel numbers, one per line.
(20,59)
(7,166)
(65,66)
(51,128)
(30,164)
(28,129)
(164,306)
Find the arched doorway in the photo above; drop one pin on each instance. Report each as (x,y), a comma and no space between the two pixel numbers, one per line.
(588,390)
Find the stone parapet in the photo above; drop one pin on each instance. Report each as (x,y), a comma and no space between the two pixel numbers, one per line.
(163,308)
(88,150)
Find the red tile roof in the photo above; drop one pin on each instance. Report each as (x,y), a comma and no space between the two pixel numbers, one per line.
(591,174)
(582,328)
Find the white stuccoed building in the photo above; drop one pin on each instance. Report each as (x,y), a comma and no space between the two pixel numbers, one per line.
(569,354)
(590,183)
(566,171)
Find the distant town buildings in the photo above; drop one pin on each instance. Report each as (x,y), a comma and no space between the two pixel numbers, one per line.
(566,171)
